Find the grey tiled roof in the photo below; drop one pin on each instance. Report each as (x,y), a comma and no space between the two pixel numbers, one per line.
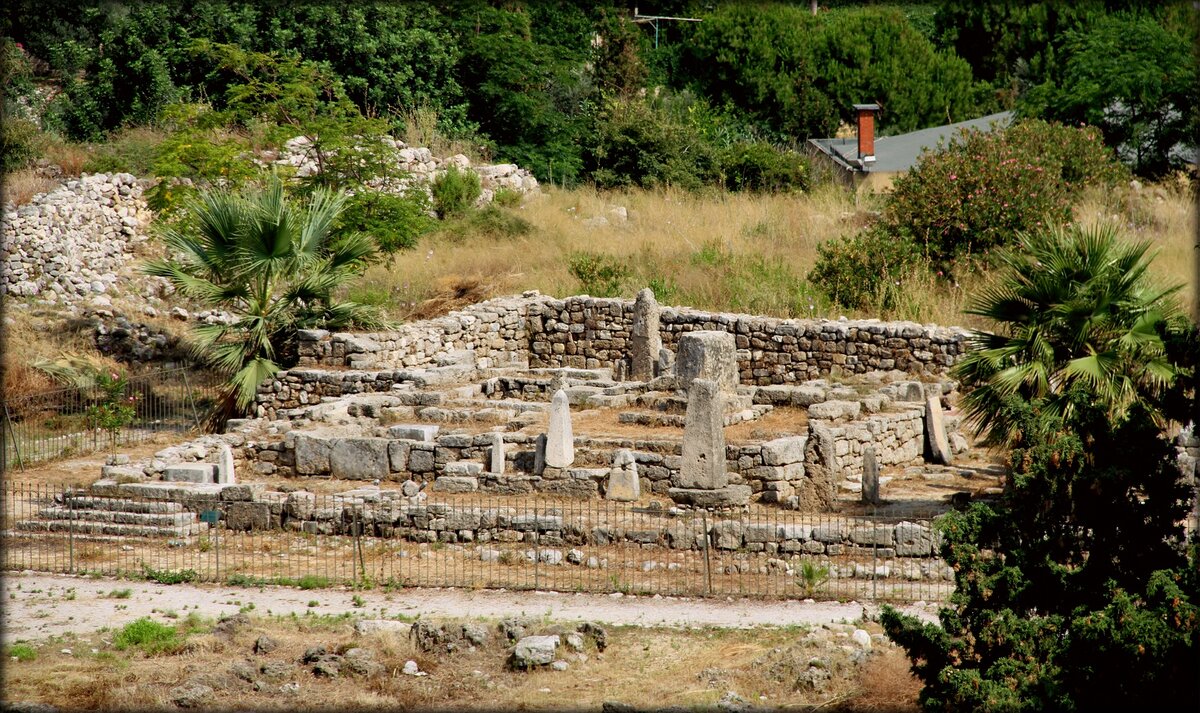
(900,152)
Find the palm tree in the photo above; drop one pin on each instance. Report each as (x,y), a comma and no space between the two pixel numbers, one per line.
(272,262)
(1074,307)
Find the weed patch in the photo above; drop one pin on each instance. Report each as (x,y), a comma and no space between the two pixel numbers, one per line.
(148,636)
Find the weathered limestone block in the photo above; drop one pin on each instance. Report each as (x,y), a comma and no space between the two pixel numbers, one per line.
(935,432)
(783,451)
(455,484)
(248,516)
(225,465)
(560,441)
(496,455)
(870,477)
(359,458)
(645,342)
(711,356)
(703,463)
(312,455)
(189,473)
(623,483)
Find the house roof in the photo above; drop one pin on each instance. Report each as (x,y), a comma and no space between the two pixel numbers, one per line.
(900,152)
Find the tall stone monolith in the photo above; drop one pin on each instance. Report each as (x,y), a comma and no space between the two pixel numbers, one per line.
(560,441)
(645,342)
(707,355)
(870,477)
(496,455)
(704,438)
(225,465)
(935,432)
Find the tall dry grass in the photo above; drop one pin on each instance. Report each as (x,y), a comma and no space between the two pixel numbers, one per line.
(724,251)
(21,186)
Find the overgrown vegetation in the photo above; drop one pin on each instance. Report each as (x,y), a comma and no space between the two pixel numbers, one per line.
(148,636)
(1079,590)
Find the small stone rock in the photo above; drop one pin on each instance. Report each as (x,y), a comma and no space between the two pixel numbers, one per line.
(192,695)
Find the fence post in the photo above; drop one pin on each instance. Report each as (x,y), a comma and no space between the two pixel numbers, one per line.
(12,434)
(874,554)
(191,400)
(707,564)
(537,548)
(70,532)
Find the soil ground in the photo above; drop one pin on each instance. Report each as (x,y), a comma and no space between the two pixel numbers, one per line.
(661,651)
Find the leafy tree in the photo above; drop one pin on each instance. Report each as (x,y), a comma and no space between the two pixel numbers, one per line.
(1076,591)
(1075,306)
(274,263)
(1135,80)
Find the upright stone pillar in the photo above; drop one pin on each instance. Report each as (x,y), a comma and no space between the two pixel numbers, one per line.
(560,441)
(870,477)
(704,438)
(935,432)
(645,341)
(707,355)
(225,465)
(496,462)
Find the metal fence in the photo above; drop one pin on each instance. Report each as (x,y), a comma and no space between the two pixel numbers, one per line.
(59,423)
(509,542)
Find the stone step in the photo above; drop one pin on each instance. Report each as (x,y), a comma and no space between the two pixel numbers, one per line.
(172,519)
(87,527)
(87,502)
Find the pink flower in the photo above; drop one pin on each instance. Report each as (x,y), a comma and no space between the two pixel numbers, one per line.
(953,177)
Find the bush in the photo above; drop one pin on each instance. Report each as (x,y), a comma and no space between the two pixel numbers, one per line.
(979,192)
(638,145)
(22,652)
(494,223)
(166,576)
(149,636)
(599,275)
(129,151)
(866,270)
(20,144)
(759,166)
(507,198)
(455,191)
(396,222)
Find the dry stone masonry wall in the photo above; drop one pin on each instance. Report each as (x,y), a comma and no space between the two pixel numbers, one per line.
(75,242)
(588,333)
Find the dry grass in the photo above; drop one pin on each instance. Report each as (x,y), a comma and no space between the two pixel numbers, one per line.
(67,156)
(724,251)
(21,186)
(640,666)
(28,337)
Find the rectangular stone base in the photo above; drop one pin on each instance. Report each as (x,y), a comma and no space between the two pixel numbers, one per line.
(455,484)
(728,496)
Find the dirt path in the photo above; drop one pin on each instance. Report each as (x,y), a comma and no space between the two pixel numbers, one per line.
(37,606)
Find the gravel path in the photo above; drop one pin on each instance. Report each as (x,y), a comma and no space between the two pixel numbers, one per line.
(39,605)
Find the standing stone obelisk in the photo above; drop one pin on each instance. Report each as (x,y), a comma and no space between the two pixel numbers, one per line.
(870,477)
(560,441)
(704,438)
(496,453)
(645,342)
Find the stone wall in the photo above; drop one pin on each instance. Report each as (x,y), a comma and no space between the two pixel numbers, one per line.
(73,243)
(588,332)
(494,330)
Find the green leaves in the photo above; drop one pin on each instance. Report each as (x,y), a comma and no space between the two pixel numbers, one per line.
(275,264)
(1074,306)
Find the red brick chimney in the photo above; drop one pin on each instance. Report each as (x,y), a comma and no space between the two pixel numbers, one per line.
(866,131)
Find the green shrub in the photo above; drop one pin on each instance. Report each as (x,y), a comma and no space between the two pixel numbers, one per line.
(129,151)
(312,581)
(980,191)
(865,270)
(494,223)
(599,275)
(22,652)
(759,166)
(163,576)
(396,222)
(455,191)
(149,636)
(20,142)
(640,144)
(507,198)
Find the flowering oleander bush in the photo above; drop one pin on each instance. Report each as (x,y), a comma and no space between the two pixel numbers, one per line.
(984,189)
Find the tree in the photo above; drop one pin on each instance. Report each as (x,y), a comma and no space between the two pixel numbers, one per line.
(1077,591)
(272,262)
(1133,78)
(1075,306)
